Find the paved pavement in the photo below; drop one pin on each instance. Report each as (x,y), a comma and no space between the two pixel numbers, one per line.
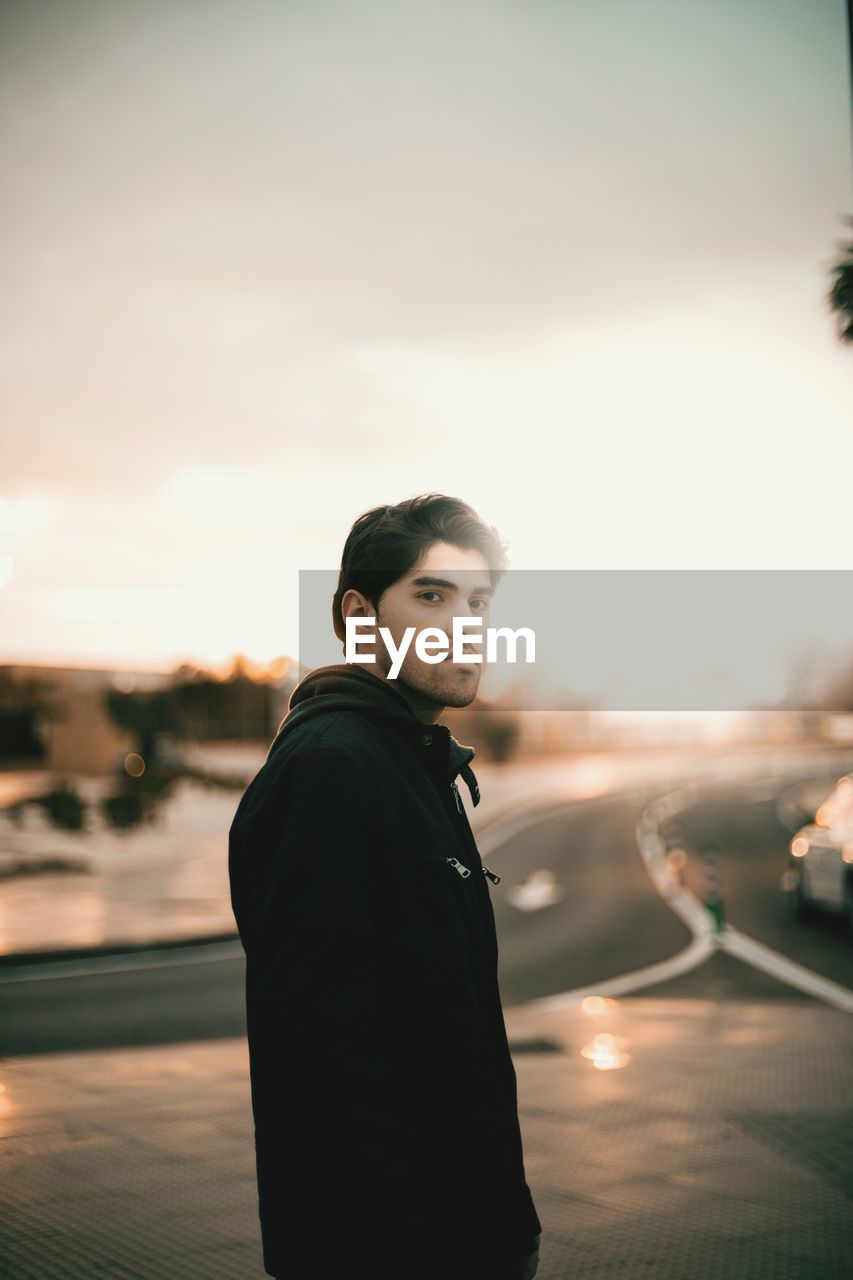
(672,1138)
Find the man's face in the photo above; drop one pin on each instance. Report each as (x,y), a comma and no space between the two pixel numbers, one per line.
(461,587)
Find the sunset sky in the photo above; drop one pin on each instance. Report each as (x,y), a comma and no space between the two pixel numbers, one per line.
(265,265)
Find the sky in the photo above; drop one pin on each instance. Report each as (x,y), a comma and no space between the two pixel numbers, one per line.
(267,265)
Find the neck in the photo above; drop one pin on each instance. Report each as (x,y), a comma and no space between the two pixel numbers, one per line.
(424,708)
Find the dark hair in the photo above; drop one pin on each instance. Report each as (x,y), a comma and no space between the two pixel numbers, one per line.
(384,543)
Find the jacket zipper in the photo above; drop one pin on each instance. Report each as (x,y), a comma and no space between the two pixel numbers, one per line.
(495,879)
(458,866)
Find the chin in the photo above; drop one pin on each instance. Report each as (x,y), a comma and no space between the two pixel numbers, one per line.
(457,689)
(460,700)
(460,694)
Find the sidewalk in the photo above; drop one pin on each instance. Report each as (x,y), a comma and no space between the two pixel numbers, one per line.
(719,1149)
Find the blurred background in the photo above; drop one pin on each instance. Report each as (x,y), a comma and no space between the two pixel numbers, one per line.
(267,266)
(264,266)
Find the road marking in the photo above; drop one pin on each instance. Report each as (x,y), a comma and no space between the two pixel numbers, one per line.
(695,953)
(686,905)
(736,943)
(779,966)
(200,953)
(539,890)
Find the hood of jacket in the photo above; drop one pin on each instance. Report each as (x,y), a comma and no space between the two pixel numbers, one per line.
(346,687)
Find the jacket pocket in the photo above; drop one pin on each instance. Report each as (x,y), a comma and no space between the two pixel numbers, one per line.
(434,980)
(430,905)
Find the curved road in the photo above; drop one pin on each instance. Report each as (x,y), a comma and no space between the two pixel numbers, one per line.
(607,921)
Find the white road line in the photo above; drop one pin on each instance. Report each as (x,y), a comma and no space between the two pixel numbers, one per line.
(730,939)
(202,953)
(796,975)
(687,906)
(695,953)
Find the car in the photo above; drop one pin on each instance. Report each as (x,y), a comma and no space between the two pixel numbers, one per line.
(820,857)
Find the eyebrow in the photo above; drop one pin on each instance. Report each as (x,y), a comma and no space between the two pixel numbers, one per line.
(451,586)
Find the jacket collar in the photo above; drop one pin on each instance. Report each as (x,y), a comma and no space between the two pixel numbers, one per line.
(345,686)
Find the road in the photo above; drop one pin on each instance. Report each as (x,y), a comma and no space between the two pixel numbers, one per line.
(607,919)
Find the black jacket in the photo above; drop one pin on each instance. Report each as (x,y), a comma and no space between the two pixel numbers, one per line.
(383,1091)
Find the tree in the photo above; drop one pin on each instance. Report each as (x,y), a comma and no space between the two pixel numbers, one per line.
(840,296)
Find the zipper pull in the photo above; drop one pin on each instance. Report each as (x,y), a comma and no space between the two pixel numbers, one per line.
(460,867)
(494,879)
(457,797)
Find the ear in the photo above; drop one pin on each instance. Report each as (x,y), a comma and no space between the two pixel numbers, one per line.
(355,605)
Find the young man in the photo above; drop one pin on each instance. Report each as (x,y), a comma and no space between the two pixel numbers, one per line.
(383,1091)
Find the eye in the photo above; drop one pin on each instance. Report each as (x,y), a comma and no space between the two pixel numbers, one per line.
(484,605)
(422,594)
